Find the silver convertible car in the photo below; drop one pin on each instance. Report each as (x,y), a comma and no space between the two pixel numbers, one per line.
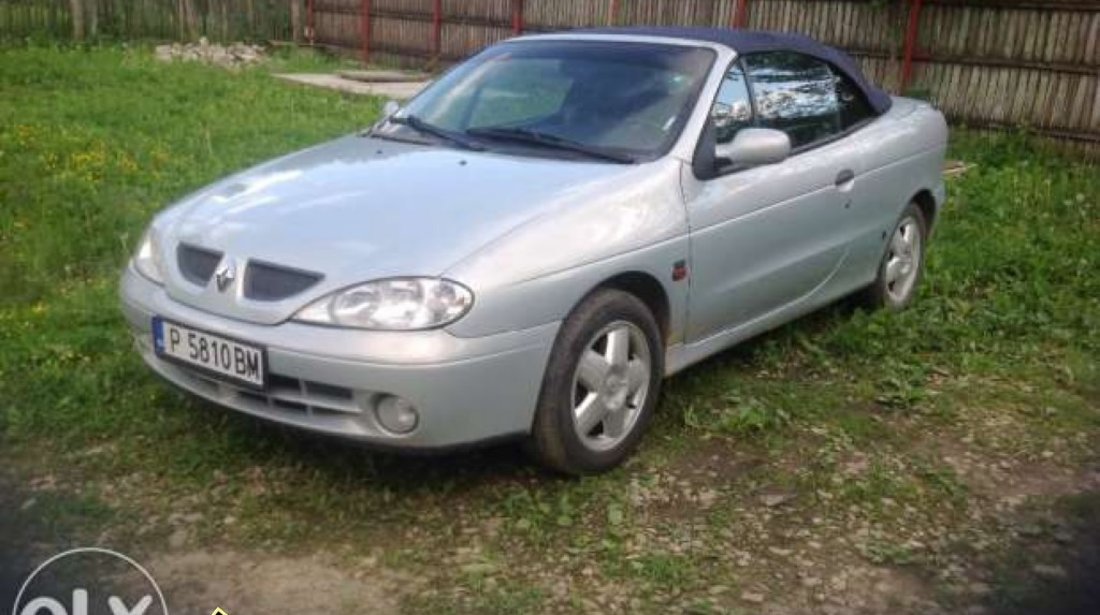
(529,246)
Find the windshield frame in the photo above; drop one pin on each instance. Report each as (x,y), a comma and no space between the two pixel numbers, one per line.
(685,117)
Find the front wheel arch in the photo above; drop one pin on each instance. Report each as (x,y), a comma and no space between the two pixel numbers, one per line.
(646,288)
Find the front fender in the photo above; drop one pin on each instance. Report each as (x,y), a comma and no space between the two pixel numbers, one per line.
(536,273)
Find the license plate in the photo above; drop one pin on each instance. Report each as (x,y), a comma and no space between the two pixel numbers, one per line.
(215,355)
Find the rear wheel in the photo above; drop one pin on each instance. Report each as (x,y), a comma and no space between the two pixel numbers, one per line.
(902,265)
(601,385)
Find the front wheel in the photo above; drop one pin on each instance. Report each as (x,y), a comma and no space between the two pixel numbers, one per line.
(902,264)
(601,385)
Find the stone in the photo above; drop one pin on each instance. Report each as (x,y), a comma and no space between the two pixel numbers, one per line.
(178,539)
(228,56)
(753,597)
(771,500)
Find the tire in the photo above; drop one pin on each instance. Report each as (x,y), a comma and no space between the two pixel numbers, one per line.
(617,337)
(902,266)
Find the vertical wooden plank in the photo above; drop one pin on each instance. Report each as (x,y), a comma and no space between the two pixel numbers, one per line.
(76,10)
(1012,37)
(295,20)
(850,24)
(955,91)
(987,31)
(1017,86)
(1073,118)
(1040,100)
(365,22)
(847,25)
(1046,36)
(967,86)
(1094,122)
(1050,35)
(1029,37)
(1053,109)
(1001,97)
(1075,52)
(962,30)
(1092,46)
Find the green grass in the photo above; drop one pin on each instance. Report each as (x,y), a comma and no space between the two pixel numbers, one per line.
(1002,345)
(93,141)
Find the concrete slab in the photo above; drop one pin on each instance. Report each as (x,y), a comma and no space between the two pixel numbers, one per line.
(397,91)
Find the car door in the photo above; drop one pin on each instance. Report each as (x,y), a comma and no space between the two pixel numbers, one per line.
(765,238)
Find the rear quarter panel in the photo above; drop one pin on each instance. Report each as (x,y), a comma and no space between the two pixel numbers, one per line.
(903,155)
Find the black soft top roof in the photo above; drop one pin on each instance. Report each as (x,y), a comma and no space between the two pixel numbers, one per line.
(752,41)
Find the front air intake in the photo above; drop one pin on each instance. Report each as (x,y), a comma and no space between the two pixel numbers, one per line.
(268,282)
(197,264)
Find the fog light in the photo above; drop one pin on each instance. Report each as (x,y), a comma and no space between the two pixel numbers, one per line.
(396,414)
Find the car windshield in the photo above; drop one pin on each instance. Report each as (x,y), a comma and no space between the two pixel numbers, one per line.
(614,101)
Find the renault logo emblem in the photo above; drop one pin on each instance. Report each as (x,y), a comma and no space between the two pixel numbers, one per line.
(225,274)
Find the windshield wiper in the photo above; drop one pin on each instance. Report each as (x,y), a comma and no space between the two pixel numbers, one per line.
(528,135)
(420,125)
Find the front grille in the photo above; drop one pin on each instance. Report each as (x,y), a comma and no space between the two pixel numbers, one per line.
(197,264)
(283,393)
(267,282)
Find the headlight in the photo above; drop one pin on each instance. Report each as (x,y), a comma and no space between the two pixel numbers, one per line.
(398,304)
(147,257)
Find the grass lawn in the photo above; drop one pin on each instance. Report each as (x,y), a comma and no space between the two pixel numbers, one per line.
(933,460)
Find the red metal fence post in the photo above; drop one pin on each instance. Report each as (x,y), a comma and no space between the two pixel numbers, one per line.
(437,28)
(365,18)
(911,32)
(517,17)
(742,18)
(310,26)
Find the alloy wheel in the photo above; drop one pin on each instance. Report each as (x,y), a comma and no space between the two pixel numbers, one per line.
(903,260)
(610,385)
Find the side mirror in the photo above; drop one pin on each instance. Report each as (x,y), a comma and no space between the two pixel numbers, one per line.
(755,146)
(391,107)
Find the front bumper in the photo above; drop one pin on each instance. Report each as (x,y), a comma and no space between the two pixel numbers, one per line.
(327,380)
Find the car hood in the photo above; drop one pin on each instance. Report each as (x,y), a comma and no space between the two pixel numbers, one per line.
(359,209)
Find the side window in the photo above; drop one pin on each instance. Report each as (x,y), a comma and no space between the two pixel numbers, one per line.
(854,107)
(732,109)
(794,93)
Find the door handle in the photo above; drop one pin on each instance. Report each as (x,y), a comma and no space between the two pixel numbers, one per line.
(845,176)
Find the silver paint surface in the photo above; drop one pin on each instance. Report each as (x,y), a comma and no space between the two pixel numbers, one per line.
(531,237)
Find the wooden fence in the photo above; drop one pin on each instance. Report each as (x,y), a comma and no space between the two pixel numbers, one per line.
(987,63)
(224,20)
